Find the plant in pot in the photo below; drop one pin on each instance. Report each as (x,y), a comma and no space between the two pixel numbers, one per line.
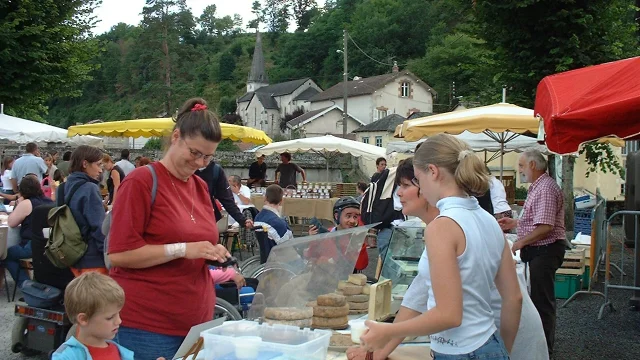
(521,195)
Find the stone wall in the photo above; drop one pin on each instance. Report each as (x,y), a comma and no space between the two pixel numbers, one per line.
(236,162)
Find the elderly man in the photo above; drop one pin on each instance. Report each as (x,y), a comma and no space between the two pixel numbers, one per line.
(541,236)
(241,193)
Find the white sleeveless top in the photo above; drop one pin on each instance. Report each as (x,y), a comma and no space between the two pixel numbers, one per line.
(478,264)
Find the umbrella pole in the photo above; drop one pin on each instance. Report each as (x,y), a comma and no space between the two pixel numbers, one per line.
(327,161)
(501,159)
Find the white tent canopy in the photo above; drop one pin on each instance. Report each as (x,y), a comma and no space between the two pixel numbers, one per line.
(327,146)
(23,131)
(478,142)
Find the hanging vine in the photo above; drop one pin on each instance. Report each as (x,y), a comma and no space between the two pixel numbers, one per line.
(601,157)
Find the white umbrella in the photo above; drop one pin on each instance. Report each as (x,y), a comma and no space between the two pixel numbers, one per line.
(478,142)
(23,131)
(327,146)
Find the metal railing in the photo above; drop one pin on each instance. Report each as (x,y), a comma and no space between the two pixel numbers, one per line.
(636,276)
(598,239)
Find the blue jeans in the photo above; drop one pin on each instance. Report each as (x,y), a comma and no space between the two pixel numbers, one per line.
(492,349)
(12,262)
(383,240)
(147,345)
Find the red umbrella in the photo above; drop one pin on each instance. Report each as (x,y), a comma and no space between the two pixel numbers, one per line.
(590,103)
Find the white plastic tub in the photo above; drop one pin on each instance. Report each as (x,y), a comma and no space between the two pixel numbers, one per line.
(279,342)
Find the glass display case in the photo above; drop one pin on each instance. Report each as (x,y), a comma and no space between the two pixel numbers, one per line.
(299,270)
(401,263)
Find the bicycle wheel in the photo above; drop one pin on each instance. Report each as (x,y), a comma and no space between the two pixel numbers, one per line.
(224,308)
(263,270)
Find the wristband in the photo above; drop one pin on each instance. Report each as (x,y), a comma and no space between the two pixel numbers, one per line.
(177,250)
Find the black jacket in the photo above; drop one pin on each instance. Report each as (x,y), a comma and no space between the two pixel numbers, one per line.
(377,202)
(219,189)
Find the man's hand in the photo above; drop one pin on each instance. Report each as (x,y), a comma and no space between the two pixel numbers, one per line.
(248,224)
(516,246)
(507,223)
(313,230)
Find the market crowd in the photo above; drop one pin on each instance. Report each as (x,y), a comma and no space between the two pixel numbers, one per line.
(140,292)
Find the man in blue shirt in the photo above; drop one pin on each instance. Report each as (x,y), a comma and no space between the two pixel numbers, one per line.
(29,163)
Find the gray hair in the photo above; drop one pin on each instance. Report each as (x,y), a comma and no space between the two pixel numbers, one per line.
(536,156)
(235,179)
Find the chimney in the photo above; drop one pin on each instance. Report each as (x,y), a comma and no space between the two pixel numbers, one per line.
(395,68)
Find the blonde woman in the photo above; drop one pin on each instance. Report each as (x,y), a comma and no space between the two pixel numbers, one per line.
(466,253)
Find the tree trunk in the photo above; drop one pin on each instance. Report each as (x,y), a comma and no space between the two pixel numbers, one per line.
(551,162)
(167,60)
(568,163)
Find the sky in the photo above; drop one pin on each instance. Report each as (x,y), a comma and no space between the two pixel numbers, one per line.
(112,12)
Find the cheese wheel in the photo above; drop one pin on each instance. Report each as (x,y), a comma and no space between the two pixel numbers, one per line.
(311,304)
(332,299)
(330,311)
(351,289)
(366,289)
(342,284)
(305,323)
(358,298)
(358,306)
(330,323)
(288,313)
(357,279)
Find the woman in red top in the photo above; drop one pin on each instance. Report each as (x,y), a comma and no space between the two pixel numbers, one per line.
(158,251)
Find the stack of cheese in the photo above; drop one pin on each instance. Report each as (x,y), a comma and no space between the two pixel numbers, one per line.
(356,290)
(300,317)
(330,312)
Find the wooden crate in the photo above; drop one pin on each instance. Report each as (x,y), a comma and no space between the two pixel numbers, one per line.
(574,263)
(380,301)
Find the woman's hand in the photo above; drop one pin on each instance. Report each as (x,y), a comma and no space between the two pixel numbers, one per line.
(313,230)
(206,250)
(356,353)
(376,337)
(239,280)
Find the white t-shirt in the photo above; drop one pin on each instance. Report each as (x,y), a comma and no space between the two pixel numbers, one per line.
(498,196)
(6,180)
(126,166)
(245,191)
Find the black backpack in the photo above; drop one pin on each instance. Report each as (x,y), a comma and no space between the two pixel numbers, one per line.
(377,202)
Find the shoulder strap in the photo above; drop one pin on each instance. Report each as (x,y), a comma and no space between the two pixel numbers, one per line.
(214,182)
(72,192)
(154,185)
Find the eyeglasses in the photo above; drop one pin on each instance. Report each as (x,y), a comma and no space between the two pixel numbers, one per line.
(195,154)
(415,182)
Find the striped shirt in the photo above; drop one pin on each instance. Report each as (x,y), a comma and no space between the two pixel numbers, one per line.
(544,206)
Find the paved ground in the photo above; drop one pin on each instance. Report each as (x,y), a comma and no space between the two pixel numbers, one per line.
(580,335)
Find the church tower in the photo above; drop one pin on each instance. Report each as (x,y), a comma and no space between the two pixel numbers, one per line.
(258,74)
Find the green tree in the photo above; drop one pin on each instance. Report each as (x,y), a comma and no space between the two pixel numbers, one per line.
(256,10)
(208,19)
(227,105)
(153,144)
(227,66)
(558,35)
(46,52)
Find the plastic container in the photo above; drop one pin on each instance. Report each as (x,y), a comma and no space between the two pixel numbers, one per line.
(234,338)
(567,285)
(584,202)
(357,328)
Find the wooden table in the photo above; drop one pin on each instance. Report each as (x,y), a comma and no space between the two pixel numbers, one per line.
(306,208)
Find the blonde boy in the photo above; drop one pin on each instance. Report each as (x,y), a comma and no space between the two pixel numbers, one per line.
(93,302)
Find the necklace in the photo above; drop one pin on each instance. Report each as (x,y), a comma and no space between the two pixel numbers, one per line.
(180,197)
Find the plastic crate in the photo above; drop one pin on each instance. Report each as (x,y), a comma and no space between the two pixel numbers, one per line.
(583,213)
(567,285)
(278,341)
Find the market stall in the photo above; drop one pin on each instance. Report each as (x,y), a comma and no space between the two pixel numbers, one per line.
(306,208)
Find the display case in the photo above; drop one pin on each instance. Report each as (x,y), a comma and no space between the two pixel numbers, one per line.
(299,270)
(401,263)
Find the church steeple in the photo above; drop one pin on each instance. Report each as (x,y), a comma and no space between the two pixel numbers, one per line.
(258,74)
